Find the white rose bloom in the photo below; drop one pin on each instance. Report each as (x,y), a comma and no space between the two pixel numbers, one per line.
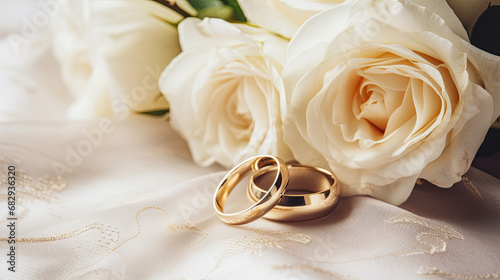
(384,92)
(283,16)
(225,89)
(112,53)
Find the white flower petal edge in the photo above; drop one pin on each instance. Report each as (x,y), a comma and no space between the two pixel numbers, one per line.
(112,53)
(469,11)
(283,16)
(225,91)
(384,92)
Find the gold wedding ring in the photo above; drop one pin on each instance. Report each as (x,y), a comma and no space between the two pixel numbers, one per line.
(312,193)
(267,199)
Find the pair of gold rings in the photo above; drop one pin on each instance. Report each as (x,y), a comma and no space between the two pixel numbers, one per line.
(279,191)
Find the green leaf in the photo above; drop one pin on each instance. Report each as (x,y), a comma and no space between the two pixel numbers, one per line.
(224,12)
(158,113)
(238,14)
(204,4)
(228,10)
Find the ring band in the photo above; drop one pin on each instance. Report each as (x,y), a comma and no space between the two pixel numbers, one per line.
(267,199)
(312,193)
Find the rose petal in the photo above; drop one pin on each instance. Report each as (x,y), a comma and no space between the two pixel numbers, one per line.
(458,155)
(468,11)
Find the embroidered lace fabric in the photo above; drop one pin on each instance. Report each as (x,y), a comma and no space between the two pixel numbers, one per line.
(129,203)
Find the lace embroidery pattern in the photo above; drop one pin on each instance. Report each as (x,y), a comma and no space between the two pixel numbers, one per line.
(29,189)
(108,235)
(170,228)
(470,186)
(256,244)
(433,271)
(24,213)
(434,238)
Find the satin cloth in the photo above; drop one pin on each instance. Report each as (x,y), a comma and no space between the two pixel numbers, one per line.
(122,199)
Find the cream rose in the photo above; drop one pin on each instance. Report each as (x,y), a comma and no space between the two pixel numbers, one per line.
(225,91)
(112,53)
(283,16)
(383,92)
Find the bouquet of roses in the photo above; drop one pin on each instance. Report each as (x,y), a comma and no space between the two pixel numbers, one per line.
(381,92)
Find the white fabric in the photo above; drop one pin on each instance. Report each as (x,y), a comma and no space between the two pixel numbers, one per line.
(131,204)
(136,207)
